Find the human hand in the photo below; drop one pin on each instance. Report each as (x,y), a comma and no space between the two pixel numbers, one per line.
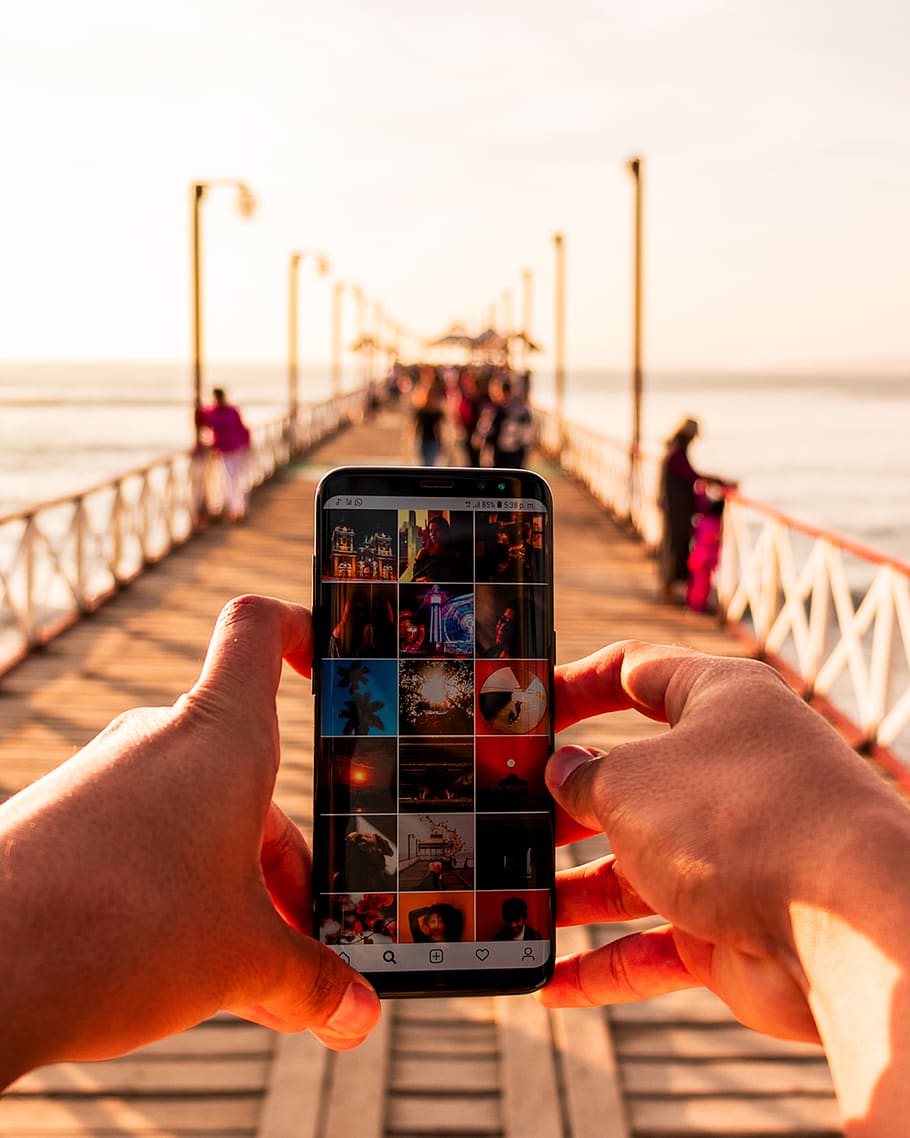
(731,826)
(151,880)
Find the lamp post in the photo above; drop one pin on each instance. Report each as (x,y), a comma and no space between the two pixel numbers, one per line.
(634,166)
(322,267)
(559,348)
(246,203)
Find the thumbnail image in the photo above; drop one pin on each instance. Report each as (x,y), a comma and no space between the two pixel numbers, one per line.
(511,622)
(357,918)
(436,620)
(363,853)
(433,917)
(436,697)
(436,773)
(435,545)
(357,775)
(514,851)
(437,851)
(512,698)
(360,545)
(359,698)
(510,772)
(361,620)
(511,547)
(506,915)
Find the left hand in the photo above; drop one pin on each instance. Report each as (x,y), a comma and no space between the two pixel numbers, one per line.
(151,880)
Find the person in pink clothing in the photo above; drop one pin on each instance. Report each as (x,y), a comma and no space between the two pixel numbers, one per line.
(231,438)
(707,530)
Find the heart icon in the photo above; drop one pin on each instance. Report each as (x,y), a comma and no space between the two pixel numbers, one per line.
(481,953)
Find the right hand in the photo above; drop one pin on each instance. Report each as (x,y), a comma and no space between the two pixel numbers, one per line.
(731,826)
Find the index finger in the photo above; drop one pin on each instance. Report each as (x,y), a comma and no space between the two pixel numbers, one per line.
(654,679)
(252,636)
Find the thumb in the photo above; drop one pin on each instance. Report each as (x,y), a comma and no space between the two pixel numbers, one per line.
(572,776)
(310,987)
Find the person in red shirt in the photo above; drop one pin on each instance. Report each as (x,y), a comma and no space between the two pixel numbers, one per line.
(231,439)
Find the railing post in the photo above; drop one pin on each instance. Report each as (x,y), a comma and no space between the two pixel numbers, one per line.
(199,503)
(30,608)
(881,664)
(116,526)
(80,522)
(769,589)
(819,616)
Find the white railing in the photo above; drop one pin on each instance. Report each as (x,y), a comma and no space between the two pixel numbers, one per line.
(63,558)
(834,614)
(622,480)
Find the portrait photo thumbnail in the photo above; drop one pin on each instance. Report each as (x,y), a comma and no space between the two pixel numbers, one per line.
(360,545)
(436,620)
(435,545)
(512,547)
(436,774)
(511,622)
(362,619)
(510,915)
(357,775)
(428,918)
(436,697)
(513,697)
(359,697)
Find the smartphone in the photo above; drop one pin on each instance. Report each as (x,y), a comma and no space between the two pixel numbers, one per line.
(433,837)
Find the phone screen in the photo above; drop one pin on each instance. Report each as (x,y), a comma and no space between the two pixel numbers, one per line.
(433,829)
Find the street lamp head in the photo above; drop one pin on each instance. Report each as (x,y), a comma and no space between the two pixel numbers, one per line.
(633,165)
(322,266)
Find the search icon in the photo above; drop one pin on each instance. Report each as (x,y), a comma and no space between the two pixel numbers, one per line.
(389,957)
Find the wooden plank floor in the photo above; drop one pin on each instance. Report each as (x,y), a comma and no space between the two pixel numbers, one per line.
(495,1067)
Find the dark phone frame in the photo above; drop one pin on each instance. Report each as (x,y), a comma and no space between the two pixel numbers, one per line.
(417,483)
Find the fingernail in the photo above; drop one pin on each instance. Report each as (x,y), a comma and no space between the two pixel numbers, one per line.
(567,760)
(357,1012)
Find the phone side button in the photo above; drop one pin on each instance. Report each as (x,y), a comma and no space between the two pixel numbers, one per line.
(313,597)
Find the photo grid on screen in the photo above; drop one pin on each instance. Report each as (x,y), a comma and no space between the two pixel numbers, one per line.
(435,725)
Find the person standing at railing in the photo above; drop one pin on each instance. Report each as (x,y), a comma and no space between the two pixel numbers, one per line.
(677,502)
(231,439)
(707,532)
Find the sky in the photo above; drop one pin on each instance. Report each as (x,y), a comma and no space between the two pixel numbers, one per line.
(432,151)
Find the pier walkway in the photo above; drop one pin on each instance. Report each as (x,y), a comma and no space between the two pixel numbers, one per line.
(476,1068)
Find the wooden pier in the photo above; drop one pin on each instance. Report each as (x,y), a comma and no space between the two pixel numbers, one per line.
(479,1068)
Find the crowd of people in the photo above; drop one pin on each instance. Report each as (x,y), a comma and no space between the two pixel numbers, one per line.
(467,416)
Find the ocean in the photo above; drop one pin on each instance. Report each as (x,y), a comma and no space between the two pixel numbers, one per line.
(831,450)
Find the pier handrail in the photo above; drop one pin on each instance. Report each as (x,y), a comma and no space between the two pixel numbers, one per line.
(62,558)
(834,613)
